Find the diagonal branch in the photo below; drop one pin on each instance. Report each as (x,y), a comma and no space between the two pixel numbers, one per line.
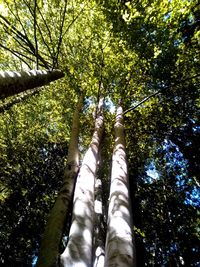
(141,102)
(74,19)
(36,27)
(16,16)
(17,54)
(61,35)
(160,91)
(24,38)
(35,32)
(47,27)
(13,82)
(19,98)
(20,55)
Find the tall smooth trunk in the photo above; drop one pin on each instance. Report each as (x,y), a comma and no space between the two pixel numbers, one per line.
(120,248)
(79,248)
(49,252)
(13,82)
(99,227)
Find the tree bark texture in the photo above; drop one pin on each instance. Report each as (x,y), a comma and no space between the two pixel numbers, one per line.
(19,98)
(99,227)
(79,248)
(49,252)
(13,82)
(120,248)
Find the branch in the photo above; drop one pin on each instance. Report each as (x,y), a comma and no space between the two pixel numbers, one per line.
(45,43)
(61,36)
(17,54)
(19,98)
(14,30)
(74,19)
(22,45)
(20,55)
(141,102)
(16,15)
(11,29)
(12,82)
(35,32)
(36,26)
(47,27)
(24,39)
(158,92)
(189,78)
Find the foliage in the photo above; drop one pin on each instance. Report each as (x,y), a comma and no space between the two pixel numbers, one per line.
(135,49)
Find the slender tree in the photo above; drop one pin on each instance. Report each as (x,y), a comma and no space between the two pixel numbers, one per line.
(120,248)
(79,248)
(49,251)
(13,82)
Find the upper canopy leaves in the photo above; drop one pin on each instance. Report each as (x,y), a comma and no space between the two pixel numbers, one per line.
(135,49)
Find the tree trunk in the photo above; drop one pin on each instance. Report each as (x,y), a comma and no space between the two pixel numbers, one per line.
(12,82)
(19,98)
(79,248)
(120,248)
(99,227)
(49,252)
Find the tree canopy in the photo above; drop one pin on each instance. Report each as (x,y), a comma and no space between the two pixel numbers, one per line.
(143,55)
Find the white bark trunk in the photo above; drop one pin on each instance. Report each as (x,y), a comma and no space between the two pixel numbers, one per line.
(120,249)
(99,231)
(78,252)
(13,82)
(49,250)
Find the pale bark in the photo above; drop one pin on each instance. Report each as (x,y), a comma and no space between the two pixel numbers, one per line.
(78,252)
(120,248)
(13,82)
(49,252)
(99,227)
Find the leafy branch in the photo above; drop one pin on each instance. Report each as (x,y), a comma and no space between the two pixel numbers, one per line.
(160,91)
(24,38)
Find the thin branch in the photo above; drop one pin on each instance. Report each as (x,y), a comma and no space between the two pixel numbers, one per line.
(13,29)
(29,7)
(141,102)
(47,27)
(25,48)
(36,26)
(159,91)
(52,54)
(17,54)
(16,15)
(35,32)
(74,19)
(61,35)
(20,55)
(189,78)
(8,28)
(24,39)
(45,43)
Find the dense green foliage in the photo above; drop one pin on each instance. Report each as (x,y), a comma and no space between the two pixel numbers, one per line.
(135,49)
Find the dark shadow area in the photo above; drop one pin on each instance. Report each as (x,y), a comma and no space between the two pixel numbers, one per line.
(30,188)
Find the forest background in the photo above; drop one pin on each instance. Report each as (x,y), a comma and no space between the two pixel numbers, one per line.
(143,53)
